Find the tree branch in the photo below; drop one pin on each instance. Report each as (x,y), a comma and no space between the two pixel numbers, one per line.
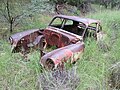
(2,12)
(18,16)
(8,11)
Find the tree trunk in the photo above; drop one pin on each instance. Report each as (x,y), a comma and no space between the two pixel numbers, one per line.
(11,27)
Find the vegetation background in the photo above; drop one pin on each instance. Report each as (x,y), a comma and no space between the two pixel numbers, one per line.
(99,62)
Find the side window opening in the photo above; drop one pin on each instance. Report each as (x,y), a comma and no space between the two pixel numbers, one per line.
(91,31)
(81,29)
(74,27)
(68,25)
(57,22)
(69,22)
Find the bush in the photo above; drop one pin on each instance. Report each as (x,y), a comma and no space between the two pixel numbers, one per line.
(59,80)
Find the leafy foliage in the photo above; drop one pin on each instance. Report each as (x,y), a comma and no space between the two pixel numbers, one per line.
(16,13)
(108,3)
(76,3)
(11,12)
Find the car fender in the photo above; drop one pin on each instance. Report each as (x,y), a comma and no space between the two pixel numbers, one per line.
(54,58)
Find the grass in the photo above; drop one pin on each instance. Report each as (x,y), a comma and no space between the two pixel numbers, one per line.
(93,68)
(16,73)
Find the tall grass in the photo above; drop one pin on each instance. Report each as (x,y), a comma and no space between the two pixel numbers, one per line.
(15,72)
(92,68)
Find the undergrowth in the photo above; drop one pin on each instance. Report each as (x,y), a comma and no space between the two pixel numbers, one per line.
(92,68)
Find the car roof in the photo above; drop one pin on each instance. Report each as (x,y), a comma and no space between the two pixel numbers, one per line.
(86,21)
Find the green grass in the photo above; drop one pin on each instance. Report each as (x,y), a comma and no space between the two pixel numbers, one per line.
(17,74)
(94,66)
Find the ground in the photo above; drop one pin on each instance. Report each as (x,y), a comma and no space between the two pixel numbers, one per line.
(93,68)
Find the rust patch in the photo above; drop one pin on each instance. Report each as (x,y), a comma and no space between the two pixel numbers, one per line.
(67,34)
(52,59)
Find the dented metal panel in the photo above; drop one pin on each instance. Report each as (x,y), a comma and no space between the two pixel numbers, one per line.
(20,42)
(54,58)
(59,37)
(68,38)
(19,35)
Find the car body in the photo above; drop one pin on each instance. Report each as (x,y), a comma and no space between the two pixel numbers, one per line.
(66,33)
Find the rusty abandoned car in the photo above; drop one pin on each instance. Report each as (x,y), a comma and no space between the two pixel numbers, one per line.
(66,33)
